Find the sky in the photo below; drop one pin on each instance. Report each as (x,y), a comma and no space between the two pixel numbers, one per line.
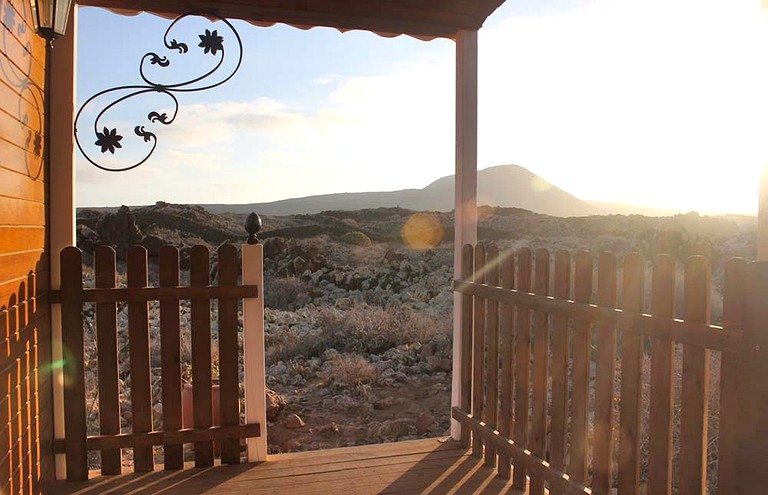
(651,102)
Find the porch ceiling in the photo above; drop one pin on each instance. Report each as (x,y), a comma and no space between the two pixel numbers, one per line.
(423,19)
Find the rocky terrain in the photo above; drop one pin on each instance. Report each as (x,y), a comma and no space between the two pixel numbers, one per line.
(359,303)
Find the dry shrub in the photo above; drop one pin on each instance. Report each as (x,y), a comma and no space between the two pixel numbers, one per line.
(357,239)
(348,371)
(286,294)
(371,330)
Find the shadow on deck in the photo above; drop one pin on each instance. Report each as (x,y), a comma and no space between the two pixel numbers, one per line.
(418,466)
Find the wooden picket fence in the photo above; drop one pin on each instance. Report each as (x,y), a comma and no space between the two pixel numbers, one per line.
(106,295)
(529,336)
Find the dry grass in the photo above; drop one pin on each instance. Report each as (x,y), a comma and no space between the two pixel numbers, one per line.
(371,330)
(286,294)
(348,371)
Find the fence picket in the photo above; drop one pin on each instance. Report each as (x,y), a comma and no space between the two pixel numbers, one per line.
(466,340)
(106,339)
(170,355)
(631,374)
(199,275)
(492,357)
(540,369)
(74,374)
(605,361)
(478,357)
(662,399)
(138,344)
(695,383)
(228,352)
(506,355)
(582,357)
(734,295)
(522,365)
(561,343)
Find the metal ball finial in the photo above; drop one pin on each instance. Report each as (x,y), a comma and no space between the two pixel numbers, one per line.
(253,226)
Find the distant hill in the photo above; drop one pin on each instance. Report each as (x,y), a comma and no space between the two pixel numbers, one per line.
(504,185)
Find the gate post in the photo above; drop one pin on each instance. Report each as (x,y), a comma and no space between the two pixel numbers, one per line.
(74,374)
(253,343)
(752,422)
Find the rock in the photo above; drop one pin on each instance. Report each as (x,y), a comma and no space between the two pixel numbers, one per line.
(152,244)
(293,421)
(275,402)
(87,239)
(274,247)
(436,363)
(425,422)
(300,265)
(391,430)
(292,445)
(393,257)
(384,403)
(119,229)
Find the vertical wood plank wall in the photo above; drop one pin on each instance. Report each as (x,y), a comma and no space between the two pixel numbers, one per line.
(26,426)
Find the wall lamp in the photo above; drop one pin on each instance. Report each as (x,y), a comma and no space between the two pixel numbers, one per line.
(50,17)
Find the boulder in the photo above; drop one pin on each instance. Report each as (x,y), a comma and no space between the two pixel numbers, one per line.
(119,230)
(391,430)
(274,247)
(293,421)
(275,402)
(152,244)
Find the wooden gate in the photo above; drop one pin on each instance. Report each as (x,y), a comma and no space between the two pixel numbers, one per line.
(540,352)
(106,295)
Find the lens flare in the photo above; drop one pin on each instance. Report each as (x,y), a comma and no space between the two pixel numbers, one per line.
(422,231)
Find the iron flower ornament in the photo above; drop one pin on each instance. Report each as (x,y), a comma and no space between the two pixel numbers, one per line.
(108,138)
(211,42)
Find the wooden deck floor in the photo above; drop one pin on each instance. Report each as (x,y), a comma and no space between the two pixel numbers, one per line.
(419,466)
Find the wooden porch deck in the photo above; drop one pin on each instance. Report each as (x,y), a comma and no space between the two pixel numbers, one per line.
(419,466)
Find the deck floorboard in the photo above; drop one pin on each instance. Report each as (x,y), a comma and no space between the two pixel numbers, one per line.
(411,467)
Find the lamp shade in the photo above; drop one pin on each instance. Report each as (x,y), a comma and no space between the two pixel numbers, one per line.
(50,17)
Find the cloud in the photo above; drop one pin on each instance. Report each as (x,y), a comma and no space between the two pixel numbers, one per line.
(371,132)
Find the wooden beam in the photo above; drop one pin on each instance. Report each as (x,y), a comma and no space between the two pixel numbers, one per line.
(178,437)
(443,19)
(142,294)
(686,332)
(465,214)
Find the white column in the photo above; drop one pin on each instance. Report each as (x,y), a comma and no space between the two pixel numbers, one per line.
(762,212)
(253,351)
(465,218)
(61,98)
(762,215)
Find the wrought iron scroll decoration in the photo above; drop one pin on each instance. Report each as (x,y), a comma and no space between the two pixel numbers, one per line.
(109,139)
